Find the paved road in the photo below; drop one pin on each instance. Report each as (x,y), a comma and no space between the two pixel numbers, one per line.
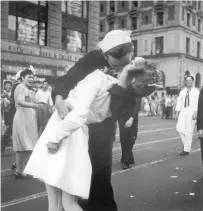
(160,180)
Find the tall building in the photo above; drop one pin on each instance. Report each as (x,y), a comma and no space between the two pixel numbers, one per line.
(168,32)
(49,35)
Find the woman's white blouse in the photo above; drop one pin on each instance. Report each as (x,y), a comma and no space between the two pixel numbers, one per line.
(91,103)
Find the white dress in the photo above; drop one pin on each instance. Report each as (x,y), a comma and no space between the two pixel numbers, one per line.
(185,122)
(70,168)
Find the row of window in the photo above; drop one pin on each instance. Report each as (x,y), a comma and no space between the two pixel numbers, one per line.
(134,22)
(121,4)
(159,46)
(188,47)
(188,20)
(160,22)
(32,29)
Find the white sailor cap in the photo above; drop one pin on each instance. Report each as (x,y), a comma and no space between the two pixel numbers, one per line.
(114,38)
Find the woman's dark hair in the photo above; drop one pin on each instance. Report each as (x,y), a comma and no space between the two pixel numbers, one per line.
(120,50)
(189,76)
(26,72)
(8,82)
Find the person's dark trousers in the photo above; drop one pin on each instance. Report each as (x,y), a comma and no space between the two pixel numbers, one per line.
(201,145)
(101,138)
(6,138)
(163,111)
(127,139)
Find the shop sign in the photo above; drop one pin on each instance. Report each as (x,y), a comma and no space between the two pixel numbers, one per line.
(15,69)
(39,51)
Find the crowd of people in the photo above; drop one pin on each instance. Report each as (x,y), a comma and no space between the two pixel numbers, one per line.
(156,105)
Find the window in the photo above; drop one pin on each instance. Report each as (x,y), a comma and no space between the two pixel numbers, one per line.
(26,30)
(101,7)
(146,45)
(112,6)
(101,28)
(134,22)
(159,45)
(198,49)
(160,18)
(111,25)
(122,24)
(188,19)
(74,41)
(187,45)
(135,47)
(77,8)
(183,13)
(135,3)
(194,19)
(199,25)
(146,19)
(199,5)
(12,35)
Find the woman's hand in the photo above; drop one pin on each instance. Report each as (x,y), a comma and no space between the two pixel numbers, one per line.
(129,123)
(52,147)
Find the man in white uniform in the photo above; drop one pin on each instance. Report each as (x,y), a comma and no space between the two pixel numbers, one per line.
(44,95)
(186,113)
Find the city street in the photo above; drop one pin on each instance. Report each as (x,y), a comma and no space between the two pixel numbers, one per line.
(160,180)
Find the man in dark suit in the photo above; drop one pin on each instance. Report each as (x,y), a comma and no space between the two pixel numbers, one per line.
(200,120)
(115,54)
(128,126)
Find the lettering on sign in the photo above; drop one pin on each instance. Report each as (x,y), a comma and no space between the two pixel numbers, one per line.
(39,51)
(15,69)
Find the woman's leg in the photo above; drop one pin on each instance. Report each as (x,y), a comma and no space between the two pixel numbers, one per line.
(22,158)
(54,198)
(70,202)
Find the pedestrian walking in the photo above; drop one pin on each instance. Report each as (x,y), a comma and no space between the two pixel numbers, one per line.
(186,113)
(200,121)
(24,124)
(128,127)
(162,104)
(168,106)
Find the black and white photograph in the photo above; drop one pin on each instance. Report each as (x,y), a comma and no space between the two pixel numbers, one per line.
(102,105)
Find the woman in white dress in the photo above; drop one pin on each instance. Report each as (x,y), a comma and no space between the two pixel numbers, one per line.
(67,173)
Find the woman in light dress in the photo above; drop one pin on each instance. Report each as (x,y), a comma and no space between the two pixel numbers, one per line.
(67,173)
(24,133)
(146,105)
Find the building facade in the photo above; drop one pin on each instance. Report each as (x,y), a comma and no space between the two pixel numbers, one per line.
(168,32)
(49,35)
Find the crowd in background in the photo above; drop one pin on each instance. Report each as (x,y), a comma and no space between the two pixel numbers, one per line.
(156,105)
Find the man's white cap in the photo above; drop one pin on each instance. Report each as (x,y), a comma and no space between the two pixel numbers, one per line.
(114,38)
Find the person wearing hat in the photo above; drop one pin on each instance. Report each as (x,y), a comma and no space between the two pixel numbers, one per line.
(186,113)
(115,51)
